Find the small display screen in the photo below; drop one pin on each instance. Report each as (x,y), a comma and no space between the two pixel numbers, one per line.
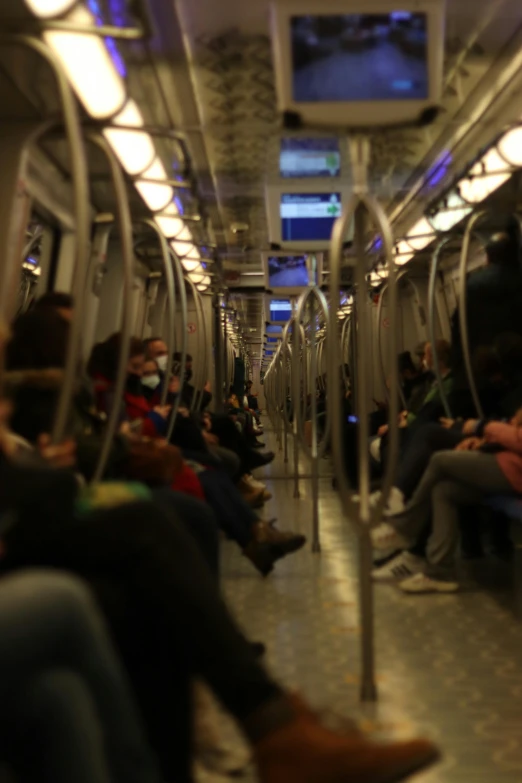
(272,340)
(310,158)
(269,353)
(309,216)
(360,57)
(273,329)
(280,310)
(287,272)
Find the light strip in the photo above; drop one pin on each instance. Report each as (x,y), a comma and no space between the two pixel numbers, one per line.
(190,264)
(88,66)
(47,9)
(156,195)
(134,149)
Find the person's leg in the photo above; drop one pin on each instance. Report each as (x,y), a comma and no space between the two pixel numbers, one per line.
(49,622)
(230,461)
(426,441)
(199,520)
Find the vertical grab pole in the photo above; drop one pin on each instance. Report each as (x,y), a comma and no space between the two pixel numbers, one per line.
(316,545)
(78,163)
(360,511)
(431,321)
(296,394)
(127,252)
(463,311)
(178,269)
(219,358)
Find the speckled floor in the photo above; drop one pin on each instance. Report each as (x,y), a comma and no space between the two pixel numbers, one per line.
(447,666)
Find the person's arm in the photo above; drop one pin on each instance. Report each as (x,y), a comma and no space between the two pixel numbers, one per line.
(506,435)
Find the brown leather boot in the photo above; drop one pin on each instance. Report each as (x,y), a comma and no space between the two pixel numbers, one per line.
(254,497)
(284,540)
(299,749)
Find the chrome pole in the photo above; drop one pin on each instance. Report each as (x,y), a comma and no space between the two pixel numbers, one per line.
(434,270)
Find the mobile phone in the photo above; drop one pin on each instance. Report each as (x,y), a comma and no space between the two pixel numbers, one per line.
(353,419)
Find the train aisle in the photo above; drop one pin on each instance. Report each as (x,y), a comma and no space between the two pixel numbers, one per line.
(448,666)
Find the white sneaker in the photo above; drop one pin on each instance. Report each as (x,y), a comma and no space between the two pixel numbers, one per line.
(402,567)
(384,536)
(421,583)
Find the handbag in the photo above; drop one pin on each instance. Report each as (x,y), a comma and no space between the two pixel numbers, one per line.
(153,461)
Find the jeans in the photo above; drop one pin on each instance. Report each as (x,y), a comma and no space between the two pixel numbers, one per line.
(453,479)
(234,515)
(67,713)
(425,442)
(165,614)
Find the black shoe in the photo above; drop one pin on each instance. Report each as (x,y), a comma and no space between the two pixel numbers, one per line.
(259,460)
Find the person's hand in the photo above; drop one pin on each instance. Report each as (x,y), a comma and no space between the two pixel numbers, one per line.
(174,385)
(447,423)
(382,431)
(183,411)
(61,455)
(210,438)
(470,426)
(207,387)
(163,410)
(403,419)
(207,422)
(470,444)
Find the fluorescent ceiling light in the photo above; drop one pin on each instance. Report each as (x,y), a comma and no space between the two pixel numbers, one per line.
(476,187)
(182,248)
(169,226)
(46,9)
(134,149)
(190,264)
(510,146)
(420,235)
(403,253)
(492,162)
(447,218)
(205,282)
(88,66)
(156,195)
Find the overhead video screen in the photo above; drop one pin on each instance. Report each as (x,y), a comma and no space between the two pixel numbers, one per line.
(360,57)
(287,272)
(280,310)
(273,329)
(309,216)
(301,158)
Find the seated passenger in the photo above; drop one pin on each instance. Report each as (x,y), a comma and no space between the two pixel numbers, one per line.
(490,463)
(151,584)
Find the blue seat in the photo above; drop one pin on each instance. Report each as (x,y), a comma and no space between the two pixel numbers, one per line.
(508,504)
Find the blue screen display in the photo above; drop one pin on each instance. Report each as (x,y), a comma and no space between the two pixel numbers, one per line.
(273,329)
(309,216)
(360,57)
(280,310)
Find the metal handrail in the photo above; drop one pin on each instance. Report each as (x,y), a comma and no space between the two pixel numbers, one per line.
(178,269)
(201,332)
(431,321)
(463,310)
(79,177)
(401,276)
(346,337)
(360,512)
(127,253)
(171,295)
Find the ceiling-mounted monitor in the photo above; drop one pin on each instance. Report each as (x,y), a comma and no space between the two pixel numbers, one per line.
(292,273)
(273,329)
(302,158)
(358,63)
(301,217)
(280,310)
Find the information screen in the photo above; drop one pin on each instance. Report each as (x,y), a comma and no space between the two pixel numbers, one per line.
(280,310)
(272,340)
(273,329)
(309,216)
(360,57)
(309,158)
(287,272)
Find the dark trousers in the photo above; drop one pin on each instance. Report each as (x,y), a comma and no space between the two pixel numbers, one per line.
(165,614)
(416,457)
(234,515)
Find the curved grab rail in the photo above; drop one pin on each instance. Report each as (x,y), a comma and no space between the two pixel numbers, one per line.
(431,322)
(171,295)
(79,177)
(401,276)
(360,513)
(463,310)
(310,296)
(127,252)
(346,336)
(178,269)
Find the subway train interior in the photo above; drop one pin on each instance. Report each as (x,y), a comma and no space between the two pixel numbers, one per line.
(261,391)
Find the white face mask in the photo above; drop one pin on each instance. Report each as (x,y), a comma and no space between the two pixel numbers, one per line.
(151,381)
(162,362)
